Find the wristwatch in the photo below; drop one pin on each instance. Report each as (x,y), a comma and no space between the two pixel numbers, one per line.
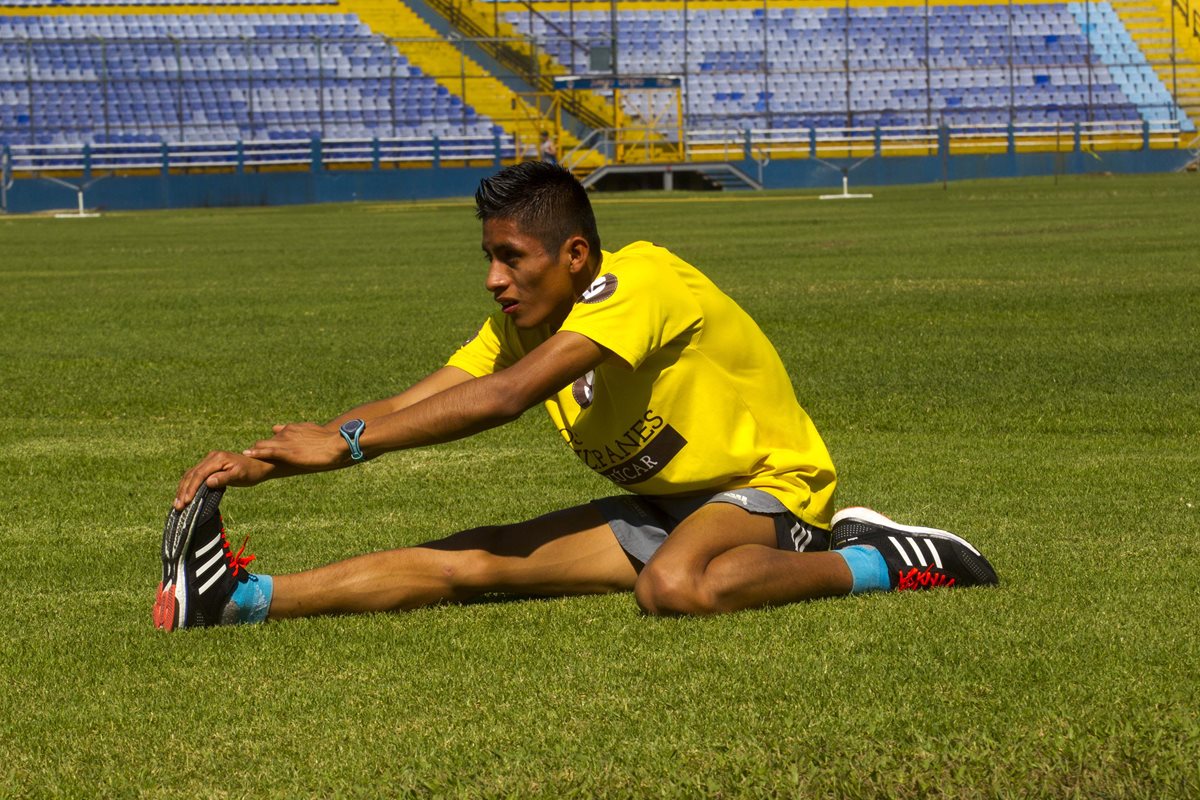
(351,429)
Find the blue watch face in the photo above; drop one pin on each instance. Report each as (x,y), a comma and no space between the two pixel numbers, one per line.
(351,426)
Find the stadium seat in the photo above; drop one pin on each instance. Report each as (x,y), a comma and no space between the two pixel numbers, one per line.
(966,49)
(160,63)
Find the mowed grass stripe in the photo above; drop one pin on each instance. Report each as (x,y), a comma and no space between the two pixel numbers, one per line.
(1013,360)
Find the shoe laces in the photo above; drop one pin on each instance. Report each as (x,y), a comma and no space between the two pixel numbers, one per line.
(236,561)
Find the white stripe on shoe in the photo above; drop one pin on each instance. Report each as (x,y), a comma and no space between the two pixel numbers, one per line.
(216,557)
(208,546)
(900,549)
(917,550)
(212,580)
(937,559)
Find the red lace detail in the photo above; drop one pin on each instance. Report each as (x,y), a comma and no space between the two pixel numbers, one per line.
(922,579)
(236,561)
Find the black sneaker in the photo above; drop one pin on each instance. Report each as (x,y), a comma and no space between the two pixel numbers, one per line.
(917,558)
(199,570)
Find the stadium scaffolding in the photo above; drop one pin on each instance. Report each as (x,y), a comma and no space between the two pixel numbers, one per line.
(83,159)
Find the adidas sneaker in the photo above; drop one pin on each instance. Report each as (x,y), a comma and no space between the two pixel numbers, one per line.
(199,569)
(917,558)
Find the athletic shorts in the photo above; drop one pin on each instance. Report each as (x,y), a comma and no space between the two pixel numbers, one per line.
(642,523)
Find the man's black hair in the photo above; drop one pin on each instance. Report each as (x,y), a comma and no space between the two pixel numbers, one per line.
(543,199)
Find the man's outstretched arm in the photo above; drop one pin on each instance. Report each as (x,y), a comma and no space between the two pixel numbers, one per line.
(448,404)
(434,383)
(458,411)
(225,468)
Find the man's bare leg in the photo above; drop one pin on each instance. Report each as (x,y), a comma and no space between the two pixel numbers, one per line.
(564,553)
(723,558)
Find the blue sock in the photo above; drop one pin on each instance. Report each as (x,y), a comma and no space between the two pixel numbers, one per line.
(867,567)
(253,598)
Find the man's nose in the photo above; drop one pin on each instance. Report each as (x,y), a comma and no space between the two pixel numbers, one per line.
(497,277)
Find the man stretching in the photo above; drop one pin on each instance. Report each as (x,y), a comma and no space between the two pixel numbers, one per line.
(654,378)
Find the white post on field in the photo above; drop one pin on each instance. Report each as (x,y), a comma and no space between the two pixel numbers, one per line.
(845,195)
(6,177)
(81,212)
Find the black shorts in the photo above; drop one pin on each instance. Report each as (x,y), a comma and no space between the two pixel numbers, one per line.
(642,523)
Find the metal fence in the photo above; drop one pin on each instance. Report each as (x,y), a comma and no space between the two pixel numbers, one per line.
(715,144)
(316,153)
(138,91)
(572,37)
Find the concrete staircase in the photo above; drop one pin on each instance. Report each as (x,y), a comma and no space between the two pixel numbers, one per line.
(479,19)
(429,51)
(1177,63)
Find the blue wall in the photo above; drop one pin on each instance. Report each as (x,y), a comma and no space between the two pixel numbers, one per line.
(318,186)
(249,189)
(807,173)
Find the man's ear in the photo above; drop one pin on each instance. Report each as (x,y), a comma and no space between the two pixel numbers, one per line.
(578,250)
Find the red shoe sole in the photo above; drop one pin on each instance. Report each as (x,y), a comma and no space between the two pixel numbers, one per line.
(164,608)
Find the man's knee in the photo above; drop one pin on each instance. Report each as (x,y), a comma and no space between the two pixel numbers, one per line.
(468,561)
(663,591)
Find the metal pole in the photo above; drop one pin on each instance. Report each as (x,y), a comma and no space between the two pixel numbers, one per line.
(928,73)
(178,89)
(612,16)
(846,54)
(320,86)
(1174,65)
(29,89)
(1087,55)
(392,88)
(766,61)
(686,47)
(1012,83)
(462,77)
(104,88)
(249,85)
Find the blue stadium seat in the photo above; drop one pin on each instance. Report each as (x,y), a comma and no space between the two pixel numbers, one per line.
(968,56)
(149,75)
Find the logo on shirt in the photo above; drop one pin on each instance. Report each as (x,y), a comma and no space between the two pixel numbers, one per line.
(601,289)
(472,337)
(636,456)
(649,461)
(583,389)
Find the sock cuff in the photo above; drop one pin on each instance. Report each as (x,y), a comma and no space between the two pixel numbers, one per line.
(867,568)
(252,598)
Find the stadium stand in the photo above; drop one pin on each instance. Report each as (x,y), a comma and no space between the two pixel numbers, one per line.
(133,78)
(802,65)
(88,72)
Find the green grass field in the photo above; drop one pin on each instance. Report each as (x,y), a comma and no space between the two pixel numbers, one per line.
(1016,361)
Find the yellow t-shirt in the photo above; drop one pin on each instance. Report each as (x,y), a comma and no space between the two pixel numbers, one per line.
(698,400)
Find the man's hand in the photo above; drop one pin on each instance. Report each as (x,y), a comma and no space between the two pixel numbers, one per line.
(307,445)
(220,468)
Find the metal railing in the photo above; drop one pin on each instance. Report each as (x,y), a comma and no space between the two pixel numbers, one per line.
(88,159)
(726,144)
(716,144)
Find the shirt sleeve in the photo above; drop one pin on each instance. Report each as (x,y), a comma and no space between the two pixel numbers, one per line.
(636,306)
(484,353)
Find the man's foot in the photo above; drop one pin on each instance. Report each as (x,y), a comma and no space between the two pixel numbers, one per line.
(917,558)
(199,570)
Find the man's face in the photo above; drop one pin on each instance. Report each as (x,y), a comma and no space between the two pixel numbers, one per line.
(531,285)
